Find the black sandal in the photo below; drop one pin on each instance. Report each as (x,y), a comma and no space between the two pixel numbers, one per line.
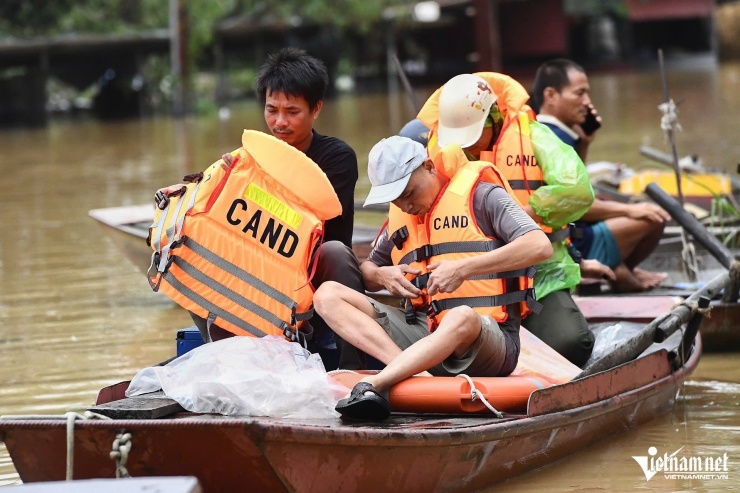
(365,403)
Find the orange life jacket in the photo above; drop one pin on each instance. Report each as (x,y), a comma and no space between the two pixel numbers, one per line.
(448,232)
(238,247)
(512,153)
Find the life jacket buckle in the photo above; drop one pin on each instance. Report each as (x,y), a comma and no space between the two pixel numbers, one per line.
(420,281)
(424,252)
(161,200)
(400,236)
(434,308)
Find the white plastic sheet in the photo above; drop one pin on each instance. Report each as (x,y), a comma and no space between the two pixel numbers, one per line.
(246,376)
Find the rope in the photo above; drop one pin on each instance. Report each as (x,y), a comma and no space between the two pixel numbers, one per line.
(474,394)
(70,418)
(121,448)
(688,255)
(694,307)
(669,120)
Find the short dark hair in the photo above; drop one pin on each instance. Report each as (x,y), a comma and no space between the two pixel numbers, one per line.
(553,73)
(293,72)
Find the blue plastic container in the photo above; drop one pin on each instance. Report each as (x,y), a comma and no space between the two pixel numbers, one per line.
(188,339)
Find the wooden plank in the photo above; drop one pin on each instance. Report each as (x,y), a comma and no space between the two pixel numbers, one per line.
(628,308)
(148,406)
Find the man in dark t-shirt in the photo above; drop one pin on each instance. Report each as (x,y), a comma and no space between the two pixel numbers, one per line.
(291,85)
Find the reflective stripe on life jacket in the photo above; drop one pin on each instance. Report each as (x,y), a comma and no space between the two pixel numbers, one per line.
(450,232)
(239,246)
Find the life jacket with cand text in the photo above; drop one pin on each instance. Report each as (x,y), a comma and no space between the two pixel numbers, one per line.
(512,152)
(449,231)
(238,246)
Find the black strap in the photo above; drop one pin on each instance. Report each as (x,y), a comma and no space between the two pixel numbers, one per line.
(559,235)
(408,310)
(400,236)
(425,252)
(522,184)
(526,295)
(420,281)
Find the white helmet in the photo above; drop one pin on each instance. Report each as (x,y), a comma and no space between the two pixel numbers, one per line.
(464,104)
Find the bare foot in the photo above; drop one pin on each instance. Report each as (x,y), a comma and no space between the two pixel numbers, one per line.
(649,278)
(626,282)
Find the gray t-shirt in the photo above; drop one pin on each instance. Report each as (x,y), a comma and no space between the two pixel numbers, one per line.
(498,216)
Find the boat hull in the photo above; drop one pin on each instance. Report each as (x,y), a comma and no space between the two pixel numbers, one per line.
(406,453)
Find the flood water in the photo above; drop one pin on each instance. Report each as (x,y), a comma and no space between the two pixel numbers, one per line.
(75,315)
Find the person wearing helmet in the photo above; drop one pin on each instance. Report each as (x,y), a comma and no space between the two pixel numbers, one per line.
(616,234)
(486,113)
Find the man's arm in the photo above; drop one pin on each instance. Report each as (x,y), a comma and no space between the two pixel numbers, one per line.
(528,249)
(605,209)
(567,193)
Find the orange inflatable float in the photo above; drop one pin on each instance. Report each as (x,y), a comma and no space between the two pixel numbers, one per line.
(539,366)
(452,394)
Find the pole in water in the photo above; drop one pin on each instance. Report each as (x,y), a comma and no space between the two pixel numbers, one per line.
(668,123)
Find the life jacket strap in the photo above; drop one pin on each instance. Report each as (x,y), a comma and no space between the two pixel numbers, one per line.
(212,308)
(425,252)
(527,295)
(522,184)
(408,310)
(509,274)
(559,235)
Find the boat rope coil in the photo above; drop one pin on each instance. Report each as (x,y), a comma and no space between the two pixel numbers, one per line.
(474,394)
(694,307)
(121,448)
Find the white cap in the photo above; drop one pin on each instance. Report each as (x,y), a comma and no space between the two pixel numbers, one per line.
(464,104)
(390,164)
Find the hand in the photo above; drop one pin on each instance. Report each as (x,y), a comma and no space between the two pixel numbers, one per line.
(228,161)
(583,137)
(172,190)
(394,280)
(445,277)
(594,269)
(649,212)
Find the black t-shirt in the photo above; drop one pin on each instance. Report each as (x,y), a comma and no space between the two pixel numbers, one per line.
(339,162)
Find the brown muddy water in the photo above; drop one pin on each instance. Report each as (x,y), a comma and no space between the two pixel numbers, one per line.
(75,315)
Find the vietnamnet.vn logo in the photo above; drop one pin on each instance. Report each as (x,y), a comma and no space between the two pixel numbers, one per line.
(678,467)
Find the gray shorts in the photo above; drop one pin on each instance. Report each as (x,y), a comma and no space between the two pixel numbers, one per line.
(485,358)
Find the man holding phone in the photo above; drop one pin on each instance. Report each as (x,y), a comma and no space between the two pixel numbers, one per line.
(618,235)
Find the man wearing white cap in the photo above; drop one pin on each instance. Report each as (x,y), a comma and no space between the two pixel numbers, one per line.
(450,242)
(487,115)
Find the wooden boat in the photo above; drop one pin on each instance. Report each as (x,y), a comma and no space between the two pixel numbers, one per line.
(624,388)
(408,452)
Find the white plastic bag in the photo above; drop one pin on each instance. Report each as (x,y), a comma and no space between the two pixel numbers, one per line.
(609,336)
(246,376)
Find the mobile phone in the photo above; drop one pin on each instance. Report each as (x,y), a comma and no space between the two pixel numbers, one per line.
(591,124)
